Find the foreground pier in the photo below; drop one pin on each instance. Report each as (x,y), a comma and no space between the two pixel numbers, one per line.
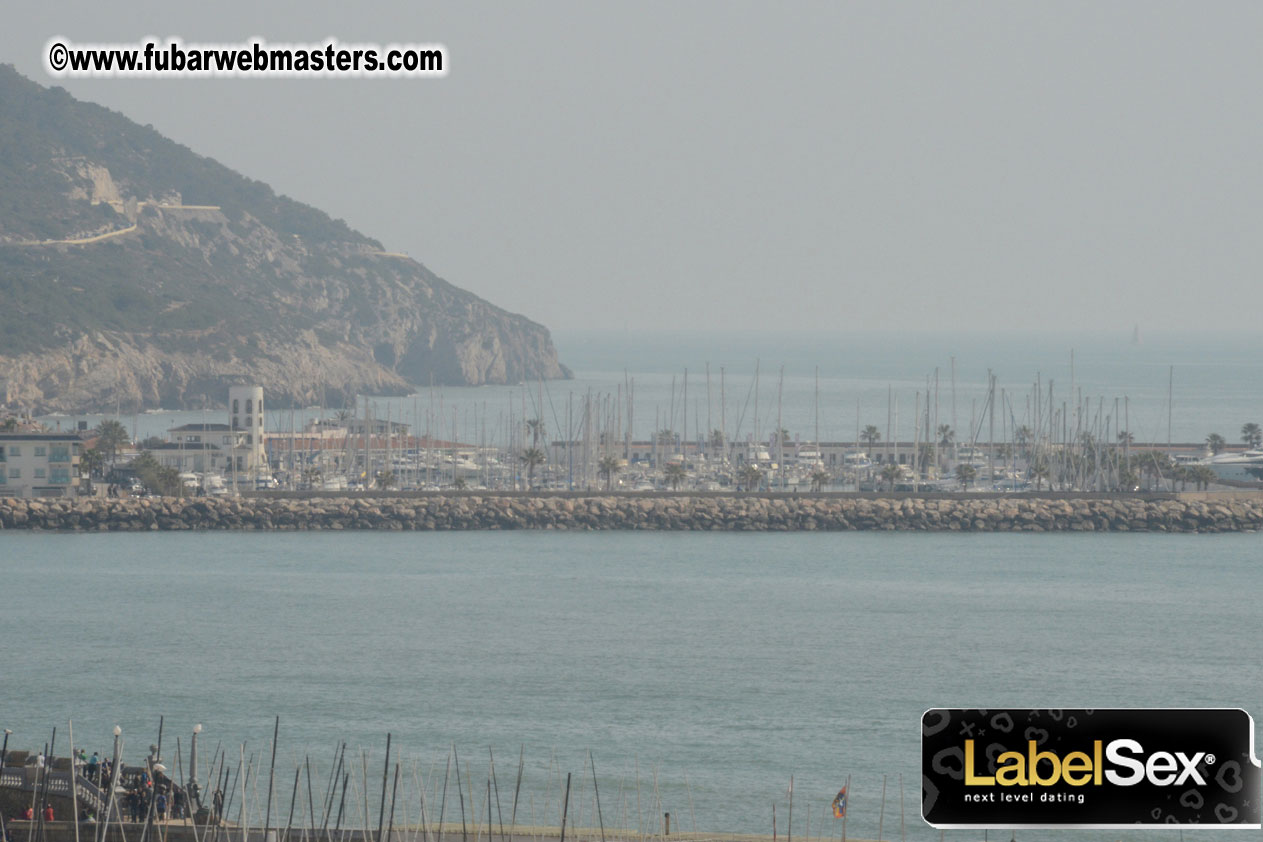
(1048,512)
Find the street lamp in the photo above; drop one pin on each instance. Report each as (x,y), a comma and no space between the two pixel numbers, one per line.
(194,795)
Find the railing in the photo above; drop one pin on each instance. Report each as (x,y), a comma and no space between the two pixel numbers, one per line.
(58,783)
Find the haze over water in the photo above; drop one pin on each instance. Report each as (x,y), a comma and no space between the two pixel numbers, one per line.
(1216,384)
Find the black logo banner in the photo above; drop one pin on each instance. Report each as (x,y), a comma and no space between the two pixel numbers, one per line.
(1093,768)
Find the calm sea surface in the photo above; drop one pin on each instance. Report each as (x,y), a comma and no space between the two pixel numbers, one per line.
(727,661)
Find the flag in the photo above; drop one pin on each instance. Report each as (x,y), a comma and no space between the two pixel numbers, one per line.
(839,804)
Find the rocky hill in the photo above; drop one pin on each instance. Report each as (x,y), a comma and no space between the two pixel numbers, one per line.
(134,272)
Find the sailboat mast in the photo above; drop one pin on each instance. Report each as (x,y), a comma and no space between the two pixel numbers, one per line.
(723,429)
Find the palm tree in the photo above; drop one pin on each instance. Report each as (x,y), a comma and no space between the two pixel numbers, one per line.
(90,462)
(608,467)
(311,476)
(459,483)
(1038,471)
(818,479)
(386,479)
(111,435)
(1252,435)
(1204,475)
(946,435)
(891,474)
(536,427)
(965,474)
(750,477)
(532,457)
(343,417)
(1126,438)
(1158,467)
(1023,438)
(9,425)
(926,456)
(1216,443)
(675,475)
(871,436)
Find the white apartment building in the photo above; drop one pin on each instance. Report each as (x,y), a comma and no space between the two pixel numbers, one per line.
(39,464)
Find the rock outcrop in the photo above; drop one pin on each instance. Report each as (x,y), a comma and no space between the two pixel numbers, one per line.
(135,273)
(731,513)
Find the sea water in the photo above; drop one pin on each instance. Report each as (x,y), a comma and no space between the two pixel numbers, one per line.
(716,666)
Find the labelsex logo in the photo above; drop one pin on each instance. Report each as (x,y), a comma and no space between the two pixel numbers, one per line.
(1012,768)
(1162,768)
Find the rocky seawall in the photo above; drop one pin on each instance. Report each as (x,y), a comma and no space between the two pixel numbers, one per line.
(733,513)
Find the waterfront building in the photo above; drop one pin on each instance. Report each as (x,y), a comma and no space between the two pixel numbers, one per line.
(39,464)
(199,448)
(245,413)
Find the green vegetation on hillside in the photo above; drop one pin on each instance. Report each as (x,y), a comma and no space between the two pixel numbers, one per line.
(43,124)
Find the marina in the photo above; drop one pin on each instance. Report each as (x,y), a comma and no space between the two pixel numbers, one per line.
(1107,417)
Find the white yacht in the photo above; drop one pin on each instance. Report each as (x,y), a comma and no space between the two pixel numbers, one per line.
(1246,466)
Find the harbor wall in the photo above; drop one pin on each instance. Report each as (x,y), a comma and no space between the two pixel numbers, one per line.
(1049,512)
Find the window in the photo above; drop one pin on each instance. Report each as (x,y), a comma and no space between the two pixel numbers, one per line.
(59,453)
(3,478)
(41,451)
(248,403)
(249,439)
(193,439)
(14,450)
(227,439)
(59,476)
(235,406)
(249,422)
(39,473)
(15,473)
(1,454)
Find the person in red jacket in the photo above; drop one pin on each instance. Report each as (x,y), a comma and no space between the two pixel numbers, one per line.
(48,812)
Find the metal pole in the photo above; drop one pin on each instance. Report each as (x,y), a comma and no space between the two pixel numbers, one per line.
(194,794)
(267,818)
(4,750)
(381,814)
(565,808)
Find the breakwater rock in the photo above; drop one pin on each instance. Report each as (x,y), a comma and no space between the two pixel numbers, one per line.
(967,513)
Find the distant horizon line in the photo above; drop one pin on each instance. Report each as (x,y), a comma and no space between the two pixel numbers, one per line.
(1126,333)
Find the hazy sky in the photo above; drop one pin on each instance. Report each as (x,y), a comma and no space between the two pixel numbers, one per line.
(757,165)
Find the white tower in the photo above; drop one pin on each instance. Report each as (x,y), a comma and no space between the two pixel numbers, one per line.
(245,414)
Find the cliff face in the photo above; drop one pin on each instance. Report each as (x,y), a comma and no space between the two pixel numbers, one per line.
(136,273)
